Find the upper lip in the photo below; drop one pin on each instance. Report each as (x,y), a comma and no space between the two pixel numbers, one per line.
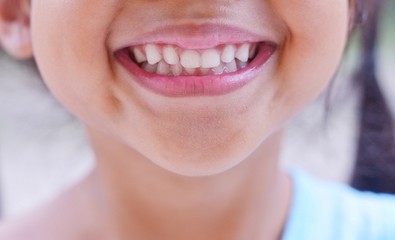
(198,36)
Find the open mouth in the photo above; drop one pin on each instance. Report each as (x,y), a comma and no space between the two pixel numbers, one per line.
(171,60)
(171,70)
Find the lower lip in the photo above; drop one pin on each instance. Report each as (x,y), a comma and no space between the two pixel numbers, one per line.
(187,86)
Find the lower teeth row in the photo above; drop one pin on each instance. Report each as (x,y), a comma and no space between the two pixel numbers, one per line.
(165,69)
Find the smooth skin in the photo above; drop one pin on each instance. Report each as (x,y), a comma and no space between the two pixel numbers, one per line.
(176,168)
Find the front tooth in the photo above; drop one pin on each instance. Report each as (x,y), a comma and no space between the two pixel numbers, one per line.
(190,71)
(149,67)
(243,52)
(219,70)
(153,54)
(163,68)
(210,58)
(204,71)
(190,59)
(252,51)
(228,54)
(170,55)
(176,69)
(241,64)
(231,67)
(139,55)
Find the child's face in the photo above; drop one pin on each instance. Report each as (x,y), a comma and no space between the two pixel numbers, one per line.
(183,128)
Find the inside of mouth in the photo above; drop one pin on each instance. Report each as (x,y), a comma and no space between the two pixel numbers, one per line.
(171,60)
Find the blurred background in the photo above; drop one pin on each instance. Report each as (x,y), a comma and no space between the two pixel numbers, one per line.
(43,149)
(329,128)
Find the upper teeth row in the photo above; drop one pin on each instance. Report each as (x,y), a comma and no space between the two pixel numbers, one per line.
(208,58)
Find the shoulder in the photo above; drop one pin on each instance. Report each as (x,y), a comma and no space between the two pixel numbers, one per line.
(21,228)
(325,210)
(55,220)
(67,217)
(43,224)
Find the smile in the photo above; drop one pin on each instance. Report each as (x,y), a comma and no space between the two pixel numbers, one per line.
(174,61)
(174,71)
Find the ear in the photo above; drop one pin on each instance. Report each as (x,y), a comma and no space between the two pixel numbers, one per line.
(15,36)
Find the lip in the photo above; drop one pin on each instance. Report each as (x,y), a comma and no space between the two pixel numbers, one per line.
(201,37)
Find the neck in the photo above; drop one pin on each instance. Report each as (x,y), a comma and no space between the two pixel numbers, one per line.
(144,201)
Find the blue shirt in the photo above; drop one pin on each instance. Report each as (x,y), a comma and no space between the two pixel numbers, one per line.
(323,210)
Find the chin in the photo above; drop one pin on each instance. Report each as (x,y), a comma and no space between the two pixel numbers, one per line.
(198,167)
(201,160)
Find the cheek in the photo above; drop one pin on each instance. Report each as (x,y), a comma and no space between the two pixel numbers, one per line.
(315,44)
(69,44)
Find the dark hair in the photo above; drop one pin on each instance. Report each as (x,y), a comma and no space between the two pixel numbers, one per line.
(375,164)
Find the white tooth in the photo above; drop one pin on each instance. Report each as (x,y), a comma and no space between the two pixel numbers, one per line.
(242,52)
(231,67)
(170,55)
(241,64)
(204,71)
(190,71)
(219,70)
(149,67)
(228,54)
(153,54)
(252,51)
(176,69)
(210,58)
(163,68)
(139,55)
(190,59)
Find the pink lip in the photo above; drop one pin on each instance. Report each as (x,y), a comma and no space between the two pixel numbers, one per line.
(198,37)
